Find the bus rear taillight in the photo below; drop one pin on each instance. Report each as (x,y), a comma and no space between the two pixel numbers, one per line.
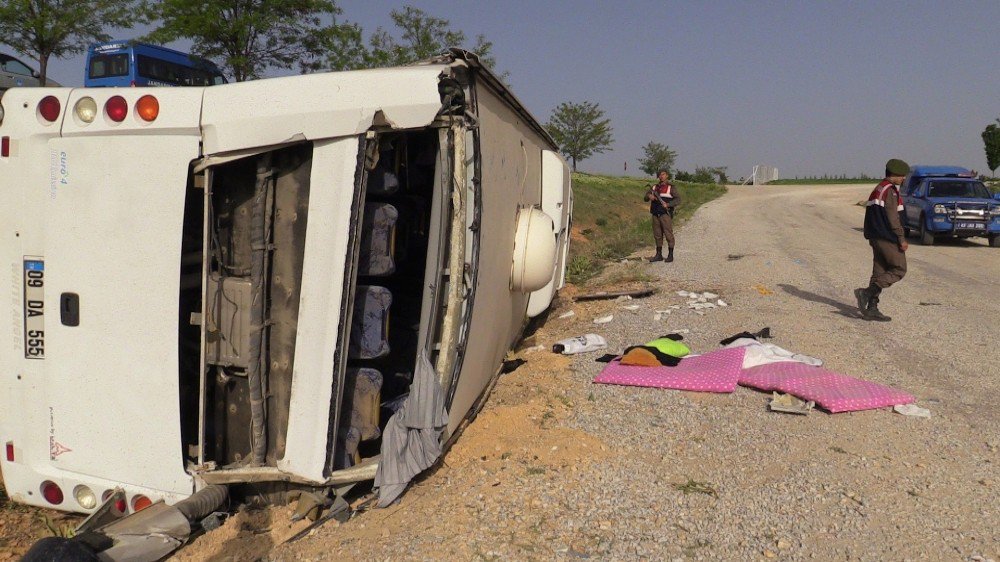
(85,497)
(5,147)
(116,108)
(121,506)
(86,109)
(52,492)
(10,444)
(49,108)
(141,502)
(148,108)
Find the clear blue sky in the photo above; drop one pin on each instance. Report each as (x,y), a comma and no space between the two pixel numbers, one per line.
(810,87)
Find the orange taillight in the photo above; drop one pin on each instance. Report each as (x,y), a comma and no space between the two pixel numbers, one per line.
(148,108)
(140,503)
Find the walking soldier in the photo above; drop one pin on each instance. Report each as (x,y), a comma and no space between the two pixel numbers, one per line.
(884,231)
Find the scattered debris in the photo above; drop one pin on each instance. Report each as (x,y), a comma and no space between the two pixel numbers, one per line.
(606,295)
(930,304)
(534,348)
(694,487)
(722,303)
(580,344)
(604,319)
(568,314)
(911,410)
(734,257)
(659,314)
(790,405)
(508,367)
(624,298)
(632,307)
(764,291)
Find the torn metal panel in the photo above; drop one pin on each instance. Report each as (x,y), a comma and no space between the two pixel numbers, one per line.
(318,106)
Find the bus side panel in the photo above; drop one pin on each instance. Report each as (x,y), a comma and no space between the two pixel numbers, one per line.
(327,235)
(114,239)
(511,177)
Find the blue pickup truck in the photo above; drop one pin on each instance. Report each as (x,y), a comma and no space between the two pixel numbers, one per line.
(941,201)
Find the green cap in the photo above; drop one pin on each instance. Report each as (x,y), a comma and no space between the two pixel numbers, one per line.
(896,167)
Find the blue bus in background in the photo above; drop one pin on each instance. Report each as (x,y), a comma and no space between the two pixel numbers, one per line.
(130,63)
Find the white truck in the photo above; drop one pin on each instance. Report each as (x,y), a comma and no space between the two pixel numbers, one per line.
(245,284)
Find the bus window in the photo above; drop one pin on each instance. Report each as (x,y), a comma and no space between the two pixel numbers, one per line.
(107,66)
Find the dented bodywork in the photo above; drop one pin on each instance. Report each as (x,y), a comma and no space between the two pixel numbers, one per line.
(259,275)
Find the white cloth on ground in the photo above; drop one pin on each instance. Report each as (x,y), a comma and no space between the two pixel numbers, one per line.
(758,353)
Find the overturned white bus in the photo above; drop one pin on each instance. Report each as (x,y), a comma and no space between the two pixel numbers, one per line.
(247,284)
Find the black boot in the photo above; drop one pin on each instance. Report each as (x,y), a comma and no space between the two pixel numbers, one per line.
(864,296)
(872,312)
(659,254)
(670,254)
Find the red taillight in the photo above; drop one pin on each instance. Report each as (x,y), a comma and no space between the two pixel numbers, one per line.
(49,108)
(121,506)
(140,503)
(5,146)
(116,108)
(10,451)
(52,493)
(147,108)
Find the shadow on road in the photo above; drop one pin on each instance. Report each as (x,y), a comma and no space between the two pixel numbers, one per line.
(842,309)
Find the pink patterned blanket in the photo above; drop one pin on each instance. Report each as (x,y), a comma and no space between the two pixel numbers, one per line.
(718,371)
(831,391)
(721,370)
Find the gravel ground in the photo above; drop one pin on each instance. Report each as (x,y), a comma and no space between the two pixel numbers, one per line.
(557,467)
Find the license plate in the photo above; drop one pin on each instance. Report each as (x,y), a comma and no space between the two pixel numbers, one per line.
(34,308)
(972,225)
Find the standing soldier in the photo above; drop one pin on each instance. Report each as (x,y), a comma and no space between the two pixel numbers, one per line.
(663,198)
(884,231)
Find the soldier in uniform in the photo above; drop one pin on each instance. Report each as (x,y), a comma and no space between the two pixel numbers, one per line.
(884,231)
(663,198)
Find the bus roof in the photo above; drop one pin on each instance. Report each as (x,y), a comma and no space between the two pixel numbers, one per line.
(121,44)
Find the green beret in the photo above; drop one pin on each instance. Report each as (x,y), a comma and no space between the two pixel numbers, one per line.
(896,167)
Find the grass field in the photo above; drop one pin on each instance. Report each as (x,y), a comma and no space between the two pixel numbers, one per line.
(611,221)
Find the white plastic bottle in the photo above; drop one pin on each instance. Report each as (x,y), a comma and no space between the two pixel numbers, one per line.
(579,344)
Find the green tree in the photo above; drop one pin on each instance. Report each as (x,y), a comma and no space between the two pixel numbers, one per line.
(248,37)
(580,130)
(41,29)
(421,36)
(991,140)
(658,157)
